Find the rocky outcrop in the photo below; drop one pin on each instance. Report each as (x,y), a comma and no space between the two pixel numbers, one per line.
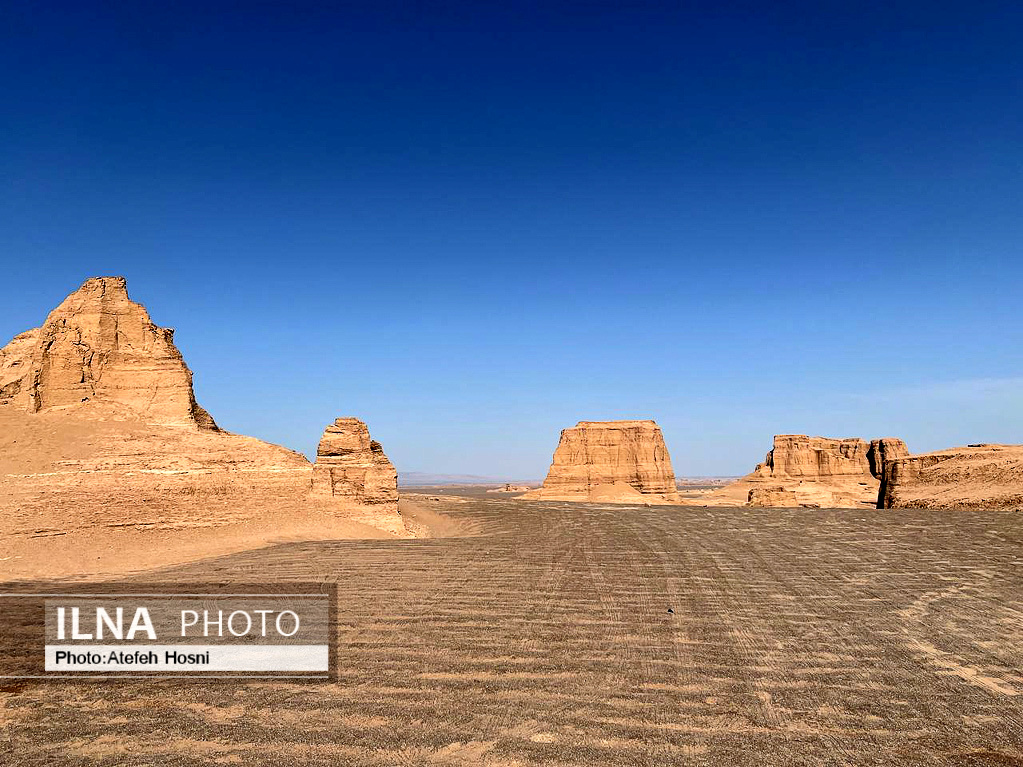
(882,452)
(798,456)
(610,461)
(814,472)
(351,466)
(14,365)
(100,346)
(103,447)
(989,476)
(510,488)
(776,496)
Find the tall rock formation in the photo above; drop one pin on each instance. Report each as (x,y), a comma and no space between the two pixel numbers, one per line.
(882,452)
(100,346)
(610,461)
(351,466)
(819,472)
(103,447)
(989,476)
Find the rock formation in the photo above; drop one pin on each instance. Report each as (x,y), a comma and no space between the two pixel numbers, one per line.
(352,466)
(881,452)
(510,488)
(989,476)
(797,455)
(809,471)
(774,496)
(100,346)
(610,461)
(103,449)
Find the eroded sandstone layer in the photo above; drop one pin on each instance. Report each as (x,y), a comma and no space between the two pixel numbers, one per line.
(352,466)
(100,346)
(989,476)
(610,461)
(816,472)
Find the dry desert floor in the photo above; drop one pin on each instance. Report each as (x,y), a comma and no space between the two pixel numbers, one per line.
(559,634)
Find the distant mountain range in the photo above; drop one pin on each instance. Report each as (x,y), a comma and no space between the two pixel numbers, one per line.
(426,479)
(423,479)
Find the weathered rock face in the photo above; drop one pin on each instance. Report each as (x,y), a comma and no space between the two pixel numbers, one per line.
(776,496)
(352,466)
(595,455)
(100,346)
(814,472)
(14,365)
(989,476)
(797,455)
(881,452)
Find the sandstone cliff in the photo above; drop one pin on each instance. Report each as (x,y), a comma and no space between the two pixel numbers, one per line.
(610,461)
(100,346)
(352,466)
(809,471)
(988,476)
(882,452)
(797,455)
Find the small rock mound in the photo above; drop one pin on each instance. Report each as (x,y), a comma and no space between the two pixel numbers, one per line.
(352,466)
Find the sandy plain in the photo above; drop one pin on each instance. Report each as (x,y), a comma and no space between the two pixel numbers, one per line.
(567,634)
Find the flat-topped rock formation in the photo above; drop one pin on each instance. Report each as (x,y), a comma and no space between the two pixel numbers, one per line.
(610,461)
(989,476)
(100,346)
(351,466)
(797,455)
(817,472)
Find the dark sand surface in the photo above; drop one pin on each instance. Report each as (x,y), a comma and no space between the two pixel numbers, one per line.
(793,638)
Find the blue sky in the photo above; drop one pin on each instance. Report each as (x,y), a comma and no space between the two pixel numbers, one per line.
(472,226)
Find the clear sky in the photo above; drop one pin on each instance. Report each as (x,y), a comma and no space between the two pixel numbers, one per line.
(473,224)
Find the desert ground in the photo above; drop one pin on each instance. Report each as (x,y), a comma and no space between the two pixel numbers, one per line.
(551,633)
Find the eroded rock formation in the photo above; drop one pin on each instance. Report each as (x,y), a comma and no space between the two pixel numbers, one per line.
(103,449)
(609,461)
(989,476)
(352,466)
(882,452)
(797,455)
(771,496)
(809,471)
(100,346)
(510,488)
